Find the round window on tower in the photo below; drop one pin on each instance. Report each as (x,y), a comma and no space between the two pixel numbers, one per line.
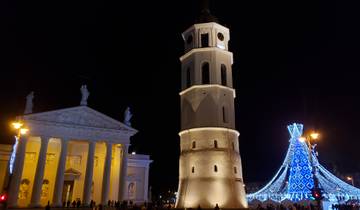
(189,39)
(220,36)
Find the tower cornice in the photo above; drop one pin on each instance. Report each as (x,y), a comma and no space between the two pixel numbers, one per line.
(204,49)
(204,25)
(207,86)
(209,128)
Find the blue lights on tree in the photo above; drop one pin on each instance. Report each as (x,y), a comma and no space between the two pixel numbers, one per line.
(13,155)
(300,178)
(294,180)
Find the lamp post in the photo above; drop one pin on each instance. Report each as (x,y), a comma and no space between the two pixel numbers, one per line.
(316,192)
(20,130)
(349,178)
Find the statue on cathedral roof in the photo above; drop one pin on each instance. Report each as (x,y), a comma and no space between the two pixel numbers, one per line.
(29,103)
(84,95)
(127,116)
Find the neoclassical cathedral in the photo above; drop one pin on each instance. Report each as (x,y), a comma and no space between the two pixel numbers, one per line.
(72,154)
(210,171)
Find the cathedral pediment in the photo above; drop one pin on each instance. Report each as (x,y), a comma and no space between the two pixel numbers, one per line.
(78,116)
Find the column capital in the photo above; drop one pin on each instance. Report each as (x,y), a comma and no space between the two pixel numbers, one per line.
(125,146)
(45,139)
(64,139)
(109,144)
(91,142)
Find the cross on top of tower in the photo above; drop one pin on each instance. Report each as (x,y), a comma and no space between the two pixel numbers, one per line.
(205,15)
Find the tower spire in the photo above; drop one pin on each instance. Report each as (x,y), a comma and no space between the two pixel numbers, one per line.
(205,15)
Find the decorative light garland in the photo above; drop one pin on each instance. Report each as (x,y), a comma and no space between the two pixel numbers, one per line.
(294,179)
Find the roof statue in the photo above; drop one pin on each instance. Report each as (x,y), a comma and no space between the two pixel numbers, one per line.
(84,95)
(295,178)
(29,103)
(127,116)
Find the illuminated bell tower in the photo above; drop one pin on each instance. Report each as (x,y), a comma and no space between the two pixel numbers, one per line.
(210,170)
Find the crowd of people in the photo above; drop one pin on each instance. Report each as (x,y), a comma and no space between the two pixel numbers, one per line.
(296,206)
(125,205)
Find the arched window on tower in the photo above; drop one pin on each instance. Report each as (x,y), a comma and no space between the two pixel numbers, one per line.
(205,40)
(215,144)
(233,145)
(193,169)
(205,73)
(223,75)
(224,115)
(235,170)
(193,145)
(188,77)
(215,168)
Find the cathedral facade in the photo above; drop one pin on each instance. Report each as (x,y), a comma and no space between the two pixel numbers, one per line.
(72,154)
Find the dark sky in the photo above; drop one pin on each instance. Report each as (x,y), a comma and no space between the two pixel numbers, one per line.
(294,61)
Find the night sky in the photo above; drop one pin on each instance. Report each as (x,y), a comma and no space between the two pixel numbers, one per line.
(294,61)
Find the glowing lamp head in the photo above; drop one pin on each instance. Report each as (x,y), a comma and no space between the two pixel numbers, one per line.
(23,131)
(349,178)
(17,125)
(302,139)
(3,197)
(314,135)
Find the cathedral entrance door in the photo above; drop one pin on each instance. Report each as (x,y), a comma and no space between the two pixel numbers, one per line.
(68,191)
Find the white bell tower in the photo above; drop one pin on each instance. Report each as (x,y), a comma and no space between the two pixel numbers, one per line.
(210,170)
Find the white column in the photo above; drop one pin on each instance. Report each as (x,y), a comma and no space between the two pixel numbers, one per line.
(146,183)
(59,183)
(106,177)
(123,172)
(15,178)
(39,175)
(89,174)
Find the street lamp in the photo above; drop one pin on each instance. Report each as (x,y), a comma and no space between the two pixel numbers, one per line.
(349,178)
(20,130)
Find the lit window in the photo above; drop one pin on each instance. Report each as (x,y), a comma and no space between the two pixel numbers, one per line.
(215,144)
(215,168)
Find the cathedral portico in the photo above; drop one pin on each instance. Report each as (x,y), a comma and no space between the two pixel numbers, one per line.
(71,154)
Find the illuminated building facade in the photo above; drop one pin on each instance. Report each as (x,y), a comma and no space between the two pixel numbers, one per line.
(72,154)
(210,170)
(294,180)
